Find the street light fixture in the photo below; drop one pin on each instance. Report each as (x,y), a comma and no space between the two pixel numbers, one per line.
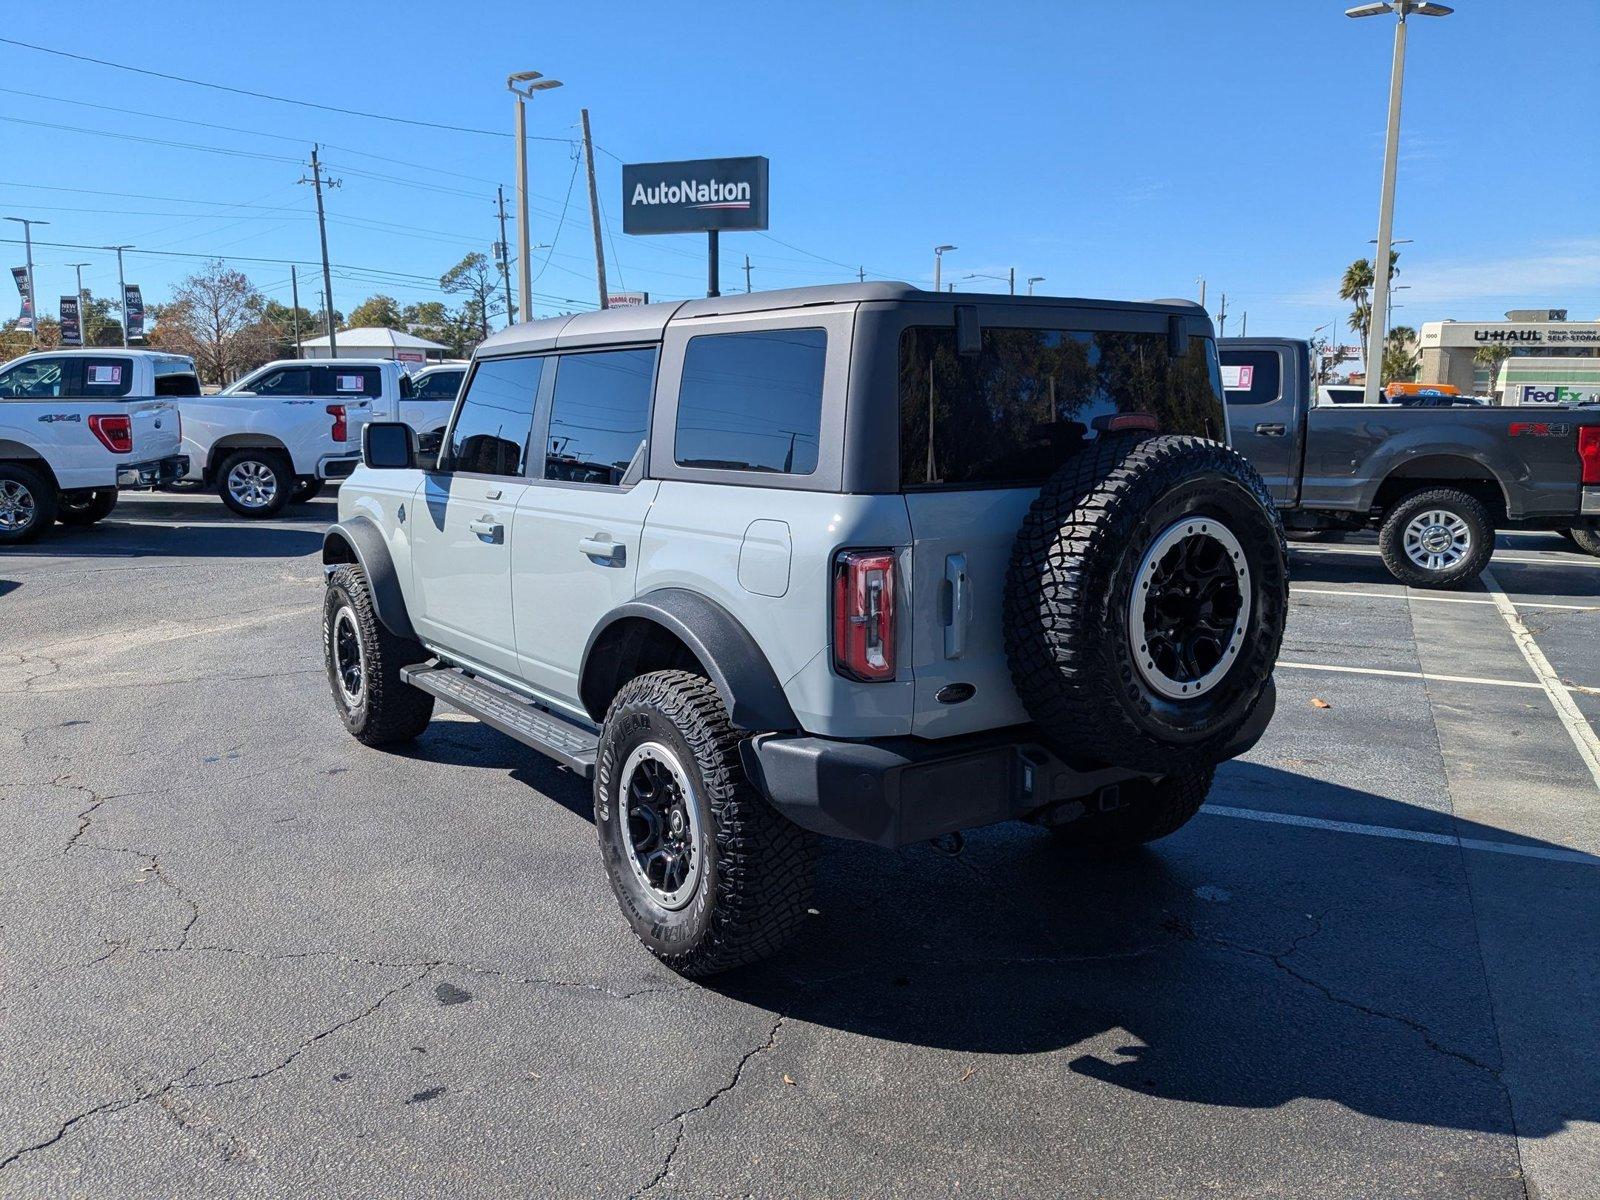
(1378,331)
(27,224)
(122,291)
(938,255)
(1033,279)
(1009,279)
(531,81)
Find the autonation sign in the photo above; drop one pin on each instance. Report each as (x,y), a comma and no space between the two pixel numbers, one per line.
(691,197)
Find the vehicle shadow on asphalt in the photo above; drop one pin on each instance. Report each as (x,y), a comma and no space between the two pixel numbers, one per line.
(193,532)
(1572,577)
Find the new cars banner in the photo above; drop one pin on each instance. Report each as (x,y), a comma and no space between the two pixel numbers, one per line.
(25,321)
(133,310)
(71,327)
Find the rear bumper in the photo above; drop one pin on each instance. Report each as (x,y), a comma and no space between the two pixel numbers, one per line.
(153,473)
(338,467)
(1590,507)
(895,791)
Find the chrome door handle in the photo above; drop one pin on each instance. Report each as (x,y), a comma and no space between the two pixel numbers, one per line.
(1269,429)
(487,528)
(603,547)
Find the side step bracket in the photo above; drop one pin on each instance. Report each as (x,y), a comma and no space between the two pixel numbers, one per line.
(574,745)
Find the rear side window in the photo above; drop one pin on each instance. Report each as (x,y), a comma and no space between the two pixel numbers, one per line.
(174,384)
(490,434)
(441,385)
(752,401)
(1342,395)
(351,381)
(1252,376)
(1013,413)
(599,415)
(107,377)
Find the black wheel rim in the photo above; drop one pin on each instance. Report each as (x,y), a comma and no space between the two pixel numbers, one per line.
(1190,607)
(348,663)
(662,830)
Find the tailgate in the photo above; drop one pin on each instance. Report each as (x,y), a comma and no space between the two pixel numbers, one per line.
(961,547)
(156,430)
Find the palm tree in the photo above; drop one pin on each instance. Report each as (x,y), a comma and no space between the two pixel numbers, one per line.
(1492,356)
(1356,287)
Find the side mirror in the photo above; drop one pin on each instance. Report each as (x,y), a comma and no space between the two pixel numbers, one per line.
(388,446)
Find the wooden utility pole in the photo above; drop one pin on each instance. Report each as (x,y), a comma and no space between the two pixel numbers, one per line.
(504,253)
(318,183)
(294,299)
(747,273)
(594,209)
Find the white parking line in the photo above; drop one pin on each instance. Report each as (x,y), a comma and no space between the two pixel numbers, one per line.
(1510,683)
(1573,560)
(1552,853)
(1312,591)
(1579,729)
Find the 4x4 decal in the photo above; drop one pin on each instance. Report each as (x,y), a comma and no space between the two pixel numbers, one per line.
(51,418)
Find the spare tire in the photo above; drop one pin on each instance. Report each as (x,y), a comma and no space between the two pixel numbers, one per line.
(1145,602)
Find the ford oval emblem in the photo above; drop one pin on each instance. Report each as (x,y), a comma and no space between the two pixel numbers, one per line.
(954,693)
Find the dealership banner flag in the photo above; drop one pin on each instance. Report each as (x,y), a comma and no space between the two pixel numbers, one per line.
(25,321)
(133,310)
(71,328)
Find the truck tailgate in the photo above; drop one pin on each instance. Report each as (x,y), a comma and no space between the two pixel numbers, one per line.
(157,431)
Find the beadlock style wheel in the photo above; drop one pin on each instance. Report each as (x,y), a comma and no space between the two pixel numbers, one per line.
(349,660)
(1437,539)
(1189,610)
(666,844)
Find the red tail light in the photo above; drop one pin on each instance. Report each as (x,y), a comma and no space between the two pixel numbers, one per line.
(341,429)
(115,431)
(863,615)
(1589,453)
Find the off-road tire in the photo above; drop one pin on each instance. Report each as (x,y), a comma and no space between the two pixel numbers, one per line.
(1391,538)
(40,491)
(1150,809)
(1071,583)
(306,489)
(386,709)
(1587,540)
(271,461)
(756,874)
(86,508)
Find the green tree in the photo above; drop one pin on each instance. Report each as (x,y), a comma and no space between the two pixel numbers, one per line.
(1400,361)
(282,319)
(382,312)
(100,326)
(475,278)
(1493,356)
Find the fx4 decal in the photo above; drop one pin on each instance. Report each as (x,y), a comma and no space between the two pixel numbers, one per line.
(1538,429)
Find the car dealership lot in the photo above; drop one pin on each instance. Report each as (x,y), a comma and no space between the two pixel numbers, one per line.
(240,953)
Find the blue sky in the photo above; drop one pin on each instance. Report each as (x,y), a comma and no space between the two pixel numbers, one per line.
(1118,149)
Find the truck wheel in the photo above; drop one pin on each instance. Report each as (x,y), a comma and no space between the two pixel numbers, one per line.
(364,661)
(1145,601)
(85,508)
(708,874)
(1439,538)
(306,488)
(255,483)
(27,503)
(1587,539)
(1150,809)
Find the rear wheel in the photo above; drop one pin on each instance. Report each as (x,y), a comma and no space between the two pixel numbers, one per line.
(27,503)
(708,874)
(1586,539)
(1148,809)
(1439,538)
(85,508)
(255,483)
(364,661)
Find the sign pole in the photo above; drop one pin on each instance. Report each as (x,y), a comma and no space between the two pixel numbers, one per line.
(713,264)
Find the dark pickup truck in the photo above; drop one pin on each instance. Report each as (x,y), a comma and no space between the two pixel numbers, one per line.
(1435,482)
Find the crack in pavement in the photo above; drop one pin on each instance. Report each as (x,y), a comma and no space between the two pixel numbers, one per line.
(681,1119)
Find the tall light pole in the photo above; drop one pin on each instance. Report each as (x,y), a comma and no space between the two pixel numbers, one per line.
(531,81)
(1377,325)
(27,224)
(938,257)
(122,290)
(1009,279)
(1033,279)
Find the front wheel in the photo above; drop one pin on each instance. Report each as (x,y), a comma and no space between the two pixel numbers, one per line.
(1587,540)
(1148,809)
(364,661)
(85,508)
(27,503)
(1439,538)
(708,874)
(255,483)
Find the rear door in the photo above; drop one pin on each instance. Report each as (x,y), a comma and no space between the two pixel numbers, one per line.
(461,520)
(1261,390)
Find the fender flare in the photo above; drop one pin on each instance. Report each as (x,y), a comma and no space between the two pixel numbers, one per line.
(364,542)
(731,657)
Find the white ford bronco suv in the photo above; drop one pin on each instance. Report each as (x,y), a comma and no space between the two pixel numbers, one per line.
(860,561)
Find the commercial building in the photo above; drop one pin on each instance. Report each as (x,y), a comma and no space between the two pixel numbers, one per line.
(1449,348)
(371,341)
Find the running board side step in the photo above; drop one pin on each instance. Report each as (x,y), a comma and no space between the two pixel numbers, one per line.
(573,745)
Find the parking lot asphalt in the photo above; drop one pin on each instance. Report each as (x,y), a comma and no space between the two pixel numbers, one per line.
(242,955)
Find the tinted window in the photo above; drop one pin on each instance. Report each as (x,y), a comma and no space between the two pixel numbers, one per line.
(1014,412)
(351,381)
(1343,395)
(490,434)
(599,415)
(752,401)
(36,379)
(285,381)
(1251,376)
(107,377)
(441,385)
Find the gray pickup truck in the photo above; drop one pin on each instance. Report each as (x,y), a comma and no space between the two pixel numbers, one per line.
(1435,482)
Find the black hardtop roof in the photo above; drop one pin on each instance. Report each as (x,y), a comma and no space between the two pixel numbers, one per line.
(1259,343)
(646,322)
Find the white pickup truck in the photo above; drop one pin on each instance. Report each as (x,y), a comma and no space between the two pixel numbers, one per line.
(77,424)
(278,434)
